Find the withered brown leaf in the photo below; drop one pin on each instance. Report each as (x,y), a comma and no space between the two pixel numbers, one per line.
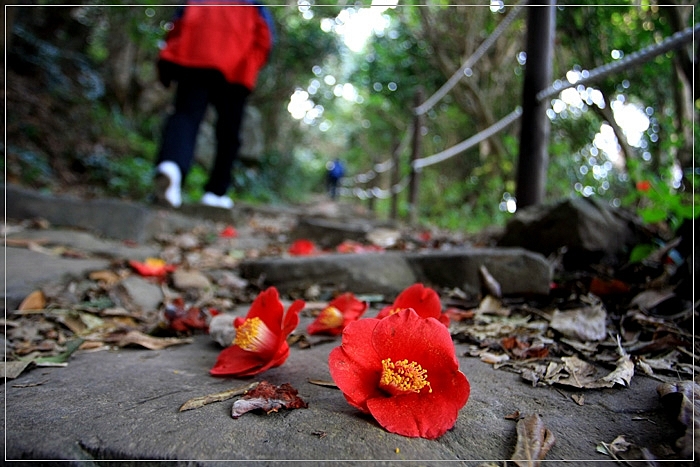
(269,398)
(534,441)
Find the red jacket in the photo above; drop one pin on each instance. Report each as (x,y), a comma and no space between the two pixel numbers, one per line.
(235,39)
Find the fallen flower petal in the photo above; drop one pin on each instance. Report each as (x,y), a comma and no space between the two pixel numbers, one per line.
(341,311)
(302,247)
(268,397)
(181,318)
(152,267)
(261,337)
(402,370)
(228,232)
(424,300)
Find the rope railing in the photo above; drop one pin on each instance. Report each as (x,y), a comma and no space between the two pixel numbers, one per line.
(634,59)
(470,62)
(637,58)
(469,142)
(381,167)
(429,104)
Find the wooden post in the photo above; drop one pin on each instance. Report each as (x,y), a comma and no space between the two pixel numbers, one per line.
(416,148)
(534,134)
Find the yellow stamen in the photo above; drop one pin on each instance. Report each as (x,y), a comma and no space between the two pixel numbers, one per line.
(393,311)
(331,317)
(402,377)
(252,335)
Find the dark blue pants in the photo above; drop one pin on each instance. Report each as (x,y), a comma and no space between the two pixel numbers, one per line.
(196,89)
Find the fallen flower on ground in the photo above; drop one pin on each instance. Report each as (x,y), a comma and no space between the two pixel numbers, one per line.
(183,318)
(341,311)
(261,337)
(152,267)
(403,371)
(302,247)
(424,300)
(228,232)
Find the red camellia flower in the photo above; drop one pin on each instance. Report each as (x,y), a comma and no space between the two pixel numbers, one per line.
(152,267)
(403,371)
(302,247)
(261,337)
(228,232)
(424,300)
(341,311)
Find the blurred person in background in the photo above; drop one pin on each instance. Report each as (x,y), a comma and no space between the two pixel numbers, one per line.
(214,51)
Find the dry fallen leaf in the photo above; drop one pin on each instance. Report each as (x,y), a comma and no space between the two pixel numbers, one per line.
(106,276)
(269,398)
(584,324)
(493,306)
(34,301)
(144,340)
(618,445)
(490,283)
(320,382)
(198,402)
(12,370)
(683,398)
(534,441)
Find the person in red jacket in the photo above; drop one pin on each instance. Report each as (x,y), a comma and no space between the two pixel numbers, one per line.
(214,52)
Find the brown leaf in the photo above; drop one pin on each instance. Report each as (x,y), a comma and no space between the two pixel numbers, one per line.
(34,301)
(12,370)
(198,402)
(513,416)
(490,283)
(683,398)
(105,276)
(534,441)
(25,242)
(144,340)
(327,384)
(269,398)
(584,324)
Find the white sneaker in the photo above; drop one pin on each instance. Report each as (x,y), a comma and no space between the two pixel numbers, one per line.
(210,199)
(167,184)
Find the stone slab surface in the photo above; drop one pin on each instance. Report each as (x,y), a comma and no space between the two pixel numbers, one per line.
(124,405)
(517,270)
(23,271)
(107,217)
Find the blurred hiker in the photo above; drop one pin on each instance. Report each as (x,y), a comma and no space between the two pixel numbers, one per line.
(214,52)
(335,171)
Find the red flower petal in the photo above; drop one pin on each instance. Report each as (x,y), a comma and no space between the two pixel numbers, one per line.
(355,366)
(424,300)
(234,361)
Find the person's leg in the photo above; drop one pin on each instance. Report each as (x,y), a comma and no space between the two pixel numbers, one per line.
(229,101)
(179,137)
(180,132)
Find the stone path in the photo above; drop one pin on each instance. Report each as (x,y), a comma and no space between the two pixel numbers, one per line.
(123,404)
